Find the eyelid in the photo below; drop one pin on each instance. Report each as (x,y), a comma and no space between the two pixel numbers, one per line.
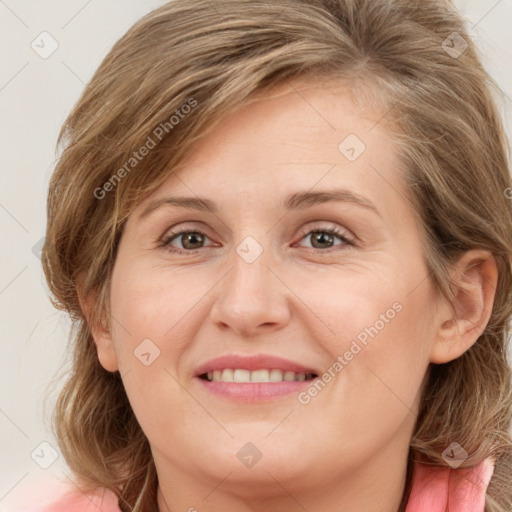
(181,227)
(322,226)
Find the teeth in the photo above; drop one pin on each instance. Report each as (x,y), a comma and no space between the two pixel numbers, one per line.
(260,376)
(275,376)
(263,375)
(289,376)
(227,375)
(240,375)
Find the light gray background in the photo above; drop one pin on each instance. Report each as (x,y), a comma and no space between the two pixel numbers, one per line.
(35,96)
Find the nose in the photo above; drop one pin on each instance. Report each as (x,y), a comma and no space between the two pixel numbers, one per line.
(251,298)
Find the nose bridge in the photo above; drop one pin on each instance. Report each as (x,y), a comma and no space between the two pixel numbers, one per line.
(250,296)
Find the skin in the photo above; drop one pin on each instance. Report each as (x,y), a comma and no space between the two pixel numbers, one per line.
(300,300)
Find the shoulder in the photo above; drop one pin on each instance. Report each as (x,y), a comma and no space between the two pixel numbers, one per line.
(74,500)
(436,489)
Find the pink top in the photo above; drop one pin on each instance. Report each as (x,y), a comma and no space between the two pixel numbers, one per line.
(434,489)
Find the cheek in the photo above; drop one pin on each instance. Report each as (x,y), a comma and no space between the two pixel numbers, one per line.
(152,330)
(385,356)
(381,338)
(373,396)
(371,306)
(154,304)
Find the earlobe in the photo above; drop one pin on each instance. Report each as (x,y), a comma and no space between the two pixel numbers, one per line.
(99,331)
(474,280)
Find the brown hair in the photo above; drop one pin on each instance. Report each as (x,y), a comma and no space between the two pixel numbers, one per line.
(215,57)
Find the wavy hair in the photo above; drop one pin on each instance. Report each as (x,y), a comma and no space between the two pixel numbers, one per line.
(440,106)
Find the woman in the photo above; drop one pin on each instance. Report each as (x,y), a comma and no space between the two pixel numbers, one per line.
(283,233)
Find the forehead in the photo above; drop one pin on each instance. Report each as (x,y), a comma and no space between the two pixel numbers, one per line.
(296,135)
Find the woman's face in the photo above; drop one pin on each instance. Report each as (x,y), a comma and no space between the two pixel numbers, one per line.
(302,246)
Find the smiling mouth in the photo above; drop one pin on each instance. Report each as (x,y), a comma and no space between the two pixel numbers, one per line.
(255,376)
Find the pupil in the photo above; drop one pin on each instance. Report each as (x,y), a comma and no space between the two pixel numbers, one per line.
(322,238)
(192,238)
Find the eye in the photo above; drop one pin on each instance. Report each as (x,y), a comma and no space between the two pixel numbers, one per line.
(190,241)
(324,238)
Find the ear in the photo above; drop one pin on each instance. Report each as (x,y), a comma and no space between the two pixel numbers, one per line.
(99,330)
(474,278)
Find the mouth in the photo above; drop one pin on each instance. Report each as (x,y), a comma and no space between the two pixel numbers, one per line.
(263,375)
(254,378)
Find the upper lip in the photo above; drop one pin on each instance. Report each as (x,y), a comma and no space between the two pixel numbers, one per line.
(252,362)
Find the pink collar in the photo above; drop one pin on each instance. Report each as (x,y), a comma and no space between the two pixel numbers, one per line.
(436,489)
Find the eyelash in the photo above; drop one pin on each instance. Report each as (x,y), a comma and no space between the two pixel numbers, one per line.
(170,236)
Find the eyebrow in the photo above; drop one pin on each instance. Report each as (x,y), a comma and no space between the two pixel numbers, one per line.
(296,201)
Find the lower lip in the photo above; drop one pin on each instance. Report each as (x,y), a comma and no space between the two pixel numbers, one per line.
(254,391)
